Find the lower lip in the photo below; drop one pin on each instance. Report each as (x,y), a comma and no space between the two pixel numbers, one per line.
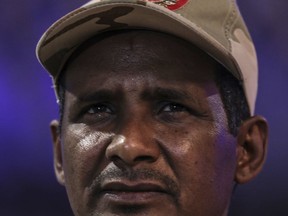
(133,197)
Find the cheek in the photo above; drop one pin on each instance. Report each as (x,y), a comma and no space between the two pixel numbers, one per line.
(192,151)
(203,160)
(84,150)
(207,153)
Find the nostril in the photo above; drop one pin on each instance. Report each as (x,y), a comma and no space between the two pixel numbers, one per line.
(125,152)
(115,159)
(119,162)
(149,159)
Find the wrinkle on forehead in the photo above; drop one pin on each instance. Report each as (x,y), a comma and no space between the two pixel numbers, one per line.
(141,53)
(136,46)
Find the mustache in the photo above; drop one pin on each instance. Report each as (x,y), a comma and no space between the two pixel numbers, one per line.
(143,174)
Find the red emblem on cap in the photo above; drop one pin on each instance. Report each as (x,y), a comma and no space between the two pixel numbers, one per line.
(170,4)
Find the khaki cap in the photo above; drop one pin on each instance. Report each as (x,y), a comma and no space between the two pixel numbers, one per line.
(215,26)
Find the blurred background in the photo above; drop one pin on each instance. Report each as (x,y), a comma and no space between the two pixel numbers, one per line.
(27,182)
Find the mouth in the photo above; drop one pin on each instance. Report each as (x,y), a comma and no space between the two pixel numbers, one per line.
(133,193)
(141,190)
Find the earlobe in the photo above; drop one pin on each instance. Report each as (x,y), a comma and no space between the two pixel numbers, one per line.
(251,148)
(57,152)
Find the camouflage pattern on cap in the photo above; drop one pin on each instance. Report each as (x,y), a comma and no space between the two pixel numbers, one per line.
(216,27)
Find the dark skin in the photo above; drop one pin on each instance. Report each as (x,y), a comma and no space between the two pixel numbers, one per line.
(144,131)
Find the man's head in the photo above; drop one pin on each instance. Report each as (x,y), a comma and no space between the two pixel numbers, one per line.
(148,127)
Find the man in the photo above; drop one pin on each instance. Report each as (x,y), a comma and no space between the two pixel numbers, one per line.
(156,106)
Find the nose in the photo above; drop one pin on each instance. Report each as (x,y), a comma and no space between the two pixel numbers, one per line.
(135,145)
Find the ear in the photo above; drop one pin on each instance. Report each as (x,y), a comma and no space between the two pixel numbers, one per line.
(57,152)
(251,149)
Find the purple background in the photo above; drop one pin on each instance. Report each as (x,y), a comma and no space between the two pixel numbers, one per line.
(27,182)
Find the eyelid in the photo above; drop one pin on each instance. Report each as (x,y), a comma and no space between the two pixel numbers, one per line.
(99,104)
(162,104)
(174,104)
(186,108)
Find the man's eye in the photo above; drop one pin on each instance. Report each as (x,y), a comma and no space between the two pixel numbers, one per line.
(173,112)
(98,109)
(97,113)
(174,107)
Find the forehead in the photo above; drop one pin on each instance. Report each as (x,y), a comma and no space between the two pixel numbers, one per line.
(138,54)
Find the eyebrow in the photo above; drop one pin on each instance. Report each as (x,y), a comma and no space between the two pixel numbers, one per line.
(157,94)
(166,94)
(100,95)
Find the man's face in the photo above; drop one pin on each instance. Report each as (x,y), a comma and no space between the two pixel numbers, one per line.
(144,130)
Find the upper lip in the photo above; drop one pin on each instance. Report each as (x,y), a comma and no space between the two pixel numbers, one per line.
(123,186)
